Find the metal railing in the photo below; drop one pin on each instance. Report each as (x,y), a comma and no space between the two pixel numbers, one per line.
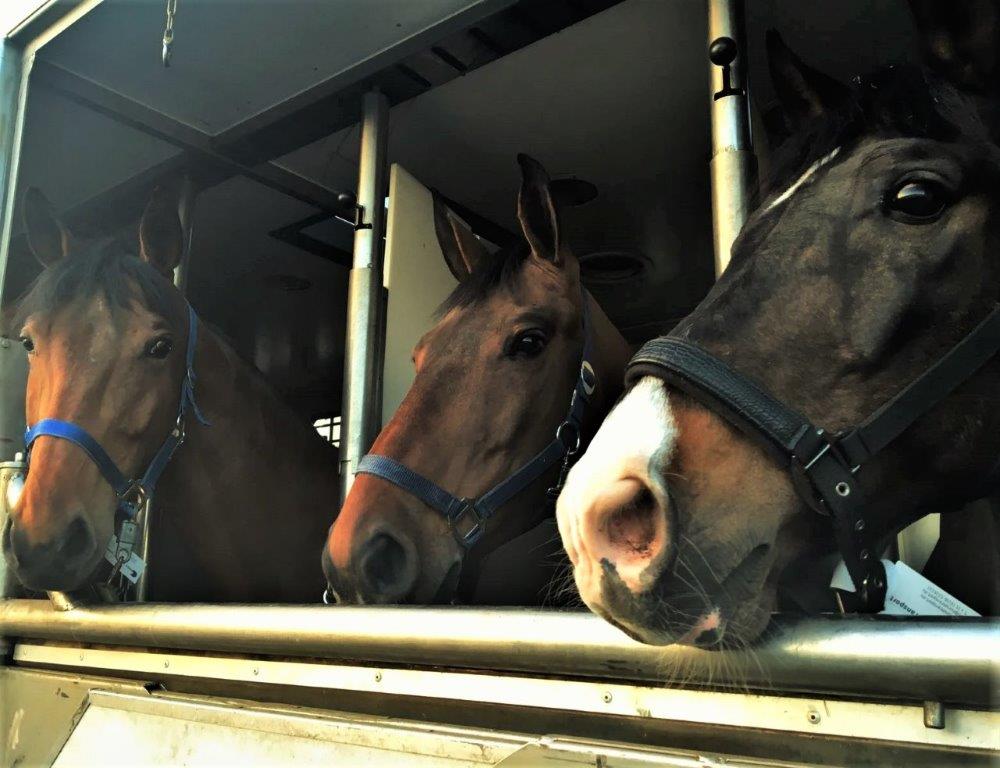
(948,660)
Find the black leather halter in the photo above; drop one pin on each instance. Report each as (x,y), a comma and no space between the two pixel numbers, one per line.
(823,466)
(467,517)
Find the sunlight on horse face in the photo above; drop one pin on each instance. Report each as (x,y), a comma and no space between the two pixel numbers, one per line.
(839,293)
(112,370)
(493,379)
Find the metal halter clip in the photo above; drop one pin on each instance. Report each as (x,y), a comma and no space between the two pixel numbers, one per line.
(568,434)
(135,495)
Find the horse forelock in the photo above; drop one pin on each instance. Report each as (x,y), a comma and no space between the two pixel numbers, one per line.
(502,270)
(101,270)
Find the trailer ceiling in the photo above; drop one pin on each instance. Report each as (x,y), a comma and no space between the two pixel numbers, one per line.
(618,99)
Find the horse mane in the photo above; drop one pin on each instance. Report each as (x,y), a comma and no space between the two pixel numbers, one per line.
(896,100)
(501,270)
(104,268)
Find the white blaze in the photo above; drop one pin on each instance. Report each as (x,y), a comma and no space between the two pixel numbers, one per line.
(806,175)
(640,427)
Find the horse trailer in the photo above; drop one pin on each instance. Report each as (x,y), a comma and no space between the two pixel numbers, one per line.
(307,148)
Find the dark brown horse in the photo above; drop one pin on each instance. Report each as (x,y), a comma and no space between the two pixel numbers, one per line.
(876,253)
(241,505)
(494,379)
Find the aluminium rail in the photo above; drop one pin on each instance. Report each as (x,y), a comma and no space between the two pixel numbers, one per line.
(947,660)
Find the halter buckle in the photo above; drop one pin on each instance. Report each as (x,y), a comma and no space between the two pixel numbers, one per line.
(459,522)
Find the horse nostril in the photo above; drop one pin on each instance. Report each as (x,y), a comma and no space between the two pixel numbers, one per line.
(632,526)
(77,543)
(388,567)
(626,526)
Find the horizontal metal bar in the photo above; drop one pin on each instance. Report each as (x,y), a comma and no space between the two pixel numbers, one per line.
(916,659)
(196,143)
(818,717)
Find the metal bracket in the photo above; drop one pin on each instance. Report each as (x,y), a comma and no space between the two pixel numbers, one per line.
(722,52)
(349,200)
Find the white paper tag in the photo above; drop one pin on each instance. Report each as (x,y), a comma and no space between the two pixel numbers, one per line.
(907,593)
(133,567)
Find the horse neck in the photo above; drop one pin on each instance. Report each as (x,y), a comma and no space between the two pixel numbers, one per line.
(251,496)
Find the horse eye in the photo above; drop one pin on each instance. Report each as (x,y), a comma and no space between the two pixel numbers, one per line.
(918,201)
(28,343)
(527,344)
(159,348)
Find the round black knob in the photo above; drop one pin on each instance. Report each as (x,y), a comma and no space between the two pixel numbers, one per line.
(347,198)
(722,51)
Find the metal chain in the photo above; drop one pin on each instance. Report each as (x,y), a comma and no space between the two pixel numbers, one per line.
(168,32)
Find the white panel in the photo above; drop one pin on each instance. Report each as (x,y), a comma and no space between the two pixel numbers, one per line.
(134,731)
(417,278)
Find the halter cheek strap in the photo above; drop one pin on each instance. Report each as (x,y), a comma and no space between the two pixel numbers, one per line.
(823,466)
(467,517)
(131,493)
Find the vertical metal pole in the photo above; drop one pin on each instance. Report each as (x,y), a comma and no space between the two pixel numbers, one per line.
(13,363)
(362,365)
(13,97)
(733,164)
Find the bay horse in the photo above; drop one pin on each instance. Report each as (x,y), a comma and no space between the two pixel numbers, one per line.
(452,476)
(242,501)
(862,297)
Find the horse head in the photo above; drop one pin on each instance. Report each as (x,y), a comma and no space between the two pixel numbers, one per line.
(495,377)
(872,255)
(105,333)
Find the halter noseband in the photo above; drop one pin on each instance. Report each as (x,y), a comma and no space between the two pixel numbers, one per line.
(467,517)
(823,466)
(131,494)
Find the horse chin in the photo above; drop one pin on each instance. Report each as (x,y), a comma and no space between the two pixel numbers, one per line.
(732,614)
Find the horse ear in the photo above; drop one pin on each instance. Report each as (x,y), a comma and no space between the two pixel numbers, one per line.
(961,41)
(161,237)
(537,211)
(463,253)
(805,93)
(48,239)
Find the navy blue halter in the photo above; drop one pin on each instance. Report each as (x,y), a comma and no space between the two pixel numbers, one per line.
(467,517)
(131,493)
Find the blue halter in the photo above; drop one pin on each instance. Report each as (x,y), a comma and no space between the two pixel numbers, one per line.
(467,517)
(131,493)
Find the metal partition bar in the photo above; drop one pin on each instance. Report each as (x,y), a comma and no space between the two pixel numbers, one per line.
(732,164)
(362,364)
(915,659)
(13,92)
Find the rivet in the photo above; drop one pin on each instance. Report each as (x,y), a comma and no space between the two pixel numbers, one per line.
(859,526)
(813,716)
(256,671)
(607,697)
(863,554)
(933,714)
(842,489)
(166,664)
(378,677)
(81,655)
